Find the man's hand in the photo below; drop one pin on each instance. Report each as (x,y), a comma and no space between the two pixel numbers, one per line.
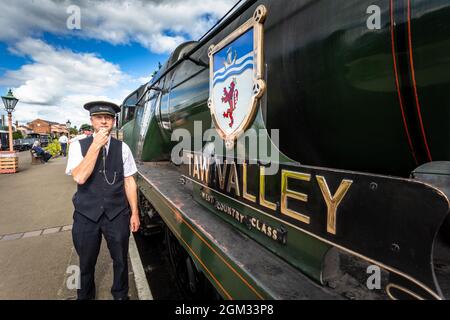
(84,170)
(101,137)
(134,222)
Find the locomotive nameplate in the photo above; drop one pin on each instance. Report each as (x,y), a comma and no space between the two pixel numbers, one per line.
(387,221)
(274,233)
(236,78)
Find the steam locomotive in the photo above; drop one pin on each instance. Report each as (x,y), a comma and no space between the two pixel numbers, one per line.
(300,150)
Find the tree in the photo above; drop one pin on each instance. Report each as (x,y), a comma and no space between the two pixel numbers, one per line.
(17,135)
(53,148)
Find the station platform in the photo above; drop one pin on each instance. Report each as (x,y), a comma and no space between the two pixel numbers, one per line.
(37,256)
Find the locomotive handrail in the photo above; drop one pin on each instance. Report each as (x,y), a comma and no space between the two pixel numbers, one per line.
(204,39)
(220,20)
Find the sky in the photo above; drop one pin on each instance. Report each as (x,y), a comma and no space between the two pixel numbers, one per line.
(56,55)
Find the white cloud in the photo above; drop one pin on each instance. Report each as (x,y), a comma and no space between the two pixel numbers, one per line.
(157,25)
(55,73)
(57,82)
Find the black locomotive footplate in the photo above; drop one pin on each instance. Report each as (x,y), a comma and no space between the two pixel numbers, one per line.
(388,221)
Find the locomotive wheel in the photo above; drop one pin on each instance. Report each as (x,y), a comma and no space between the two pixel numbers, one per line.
(177,257)
(191,283)
(445,230)
(150,221)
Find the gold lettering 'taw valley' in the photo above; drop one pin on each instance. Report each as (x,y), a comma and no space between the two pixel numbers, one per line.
(231,182)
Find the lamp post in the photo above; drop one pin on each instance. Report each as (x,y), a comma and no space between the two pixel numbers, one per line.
(68,123)
(10,103)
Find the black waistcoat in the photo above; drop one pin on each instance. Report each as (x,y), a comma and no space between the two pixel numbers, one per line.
(96,196)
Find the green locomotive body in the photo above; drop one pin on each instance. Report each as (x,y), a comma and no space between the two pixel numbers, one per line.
(330,157)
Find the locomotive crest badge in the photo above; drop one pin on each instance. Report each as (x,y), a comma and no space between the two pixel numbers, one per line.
(236,78)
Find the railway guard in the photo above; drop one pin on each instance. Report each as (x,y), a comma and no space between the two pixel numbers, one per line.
(106,200)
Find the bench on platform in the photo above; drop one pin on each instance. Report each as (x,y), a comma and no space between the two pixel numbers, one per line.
(35,158)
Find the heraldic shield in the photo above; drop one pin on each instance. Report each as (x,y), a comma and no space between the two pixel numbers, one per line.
(236,84)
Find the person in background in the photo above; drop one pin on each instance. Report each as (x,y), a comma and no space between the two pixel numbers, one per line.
(87,132)
(63,142)
(41,152)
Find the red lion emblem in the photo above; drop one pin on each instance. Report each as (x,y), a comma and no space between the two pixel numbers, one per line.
(230,97)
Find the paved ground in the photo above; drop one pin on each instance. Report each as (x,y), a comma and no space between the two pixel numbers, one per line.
(36,247)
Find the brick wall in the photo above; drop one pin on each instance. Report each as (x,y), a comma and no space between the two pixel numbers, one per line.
(40,126)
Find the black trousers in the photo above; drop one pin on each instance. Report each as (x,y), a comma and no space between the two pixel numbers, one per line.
(64,149)
(87,238)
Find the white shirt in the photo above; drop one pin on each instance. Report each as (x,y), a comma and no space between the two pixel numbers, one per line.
(75,158)
(79,137)
(63,139)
